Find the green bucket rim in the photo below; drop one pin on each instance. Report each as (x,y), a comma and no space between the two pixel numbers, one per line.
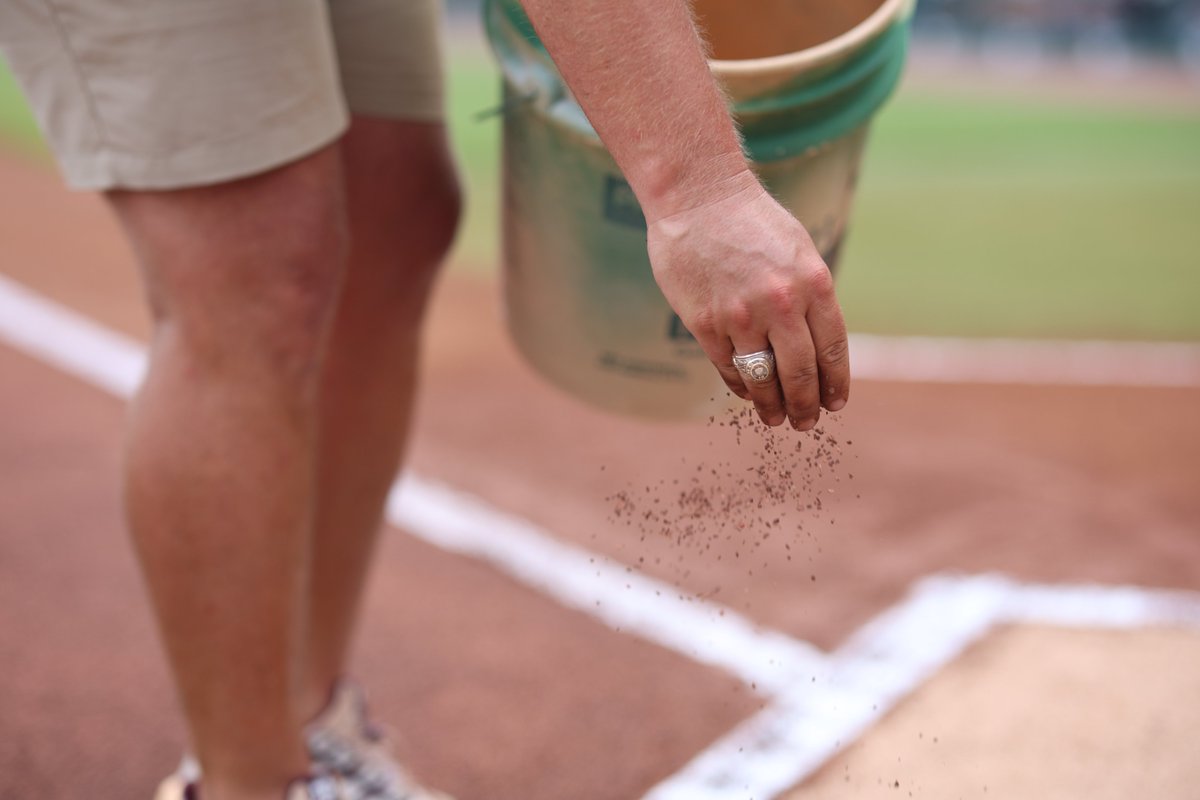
(785,123)
(844,101)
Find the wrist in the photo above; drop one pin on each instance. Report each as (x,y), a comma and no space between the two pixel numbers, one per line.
(672,188)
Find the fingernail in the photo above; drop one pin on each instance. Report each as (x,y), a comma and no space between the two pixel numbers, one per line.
(837,405)
(807,425)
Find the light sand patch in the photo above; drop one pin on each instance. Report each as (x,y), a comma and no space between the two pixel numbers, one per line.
(1039,713)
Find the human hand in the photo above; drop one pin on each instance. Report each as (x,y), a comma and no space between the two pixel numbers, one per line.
(743,275)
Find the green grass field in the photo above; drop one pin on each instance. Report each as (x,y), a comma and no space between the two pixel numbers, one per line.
(976,216)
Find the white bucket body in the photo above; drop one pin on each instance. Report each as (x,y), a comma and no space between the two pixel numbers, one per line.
(582,304)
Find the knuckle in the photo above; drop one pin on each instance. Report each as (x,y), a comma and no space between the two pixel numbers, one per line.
(835,352)
(740,317)
(703,324)
(819,282)
(802,393)
(782,299)
(802,378)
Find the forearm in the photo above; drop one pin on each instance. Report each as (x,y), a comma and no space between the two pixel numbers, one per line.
(638,70)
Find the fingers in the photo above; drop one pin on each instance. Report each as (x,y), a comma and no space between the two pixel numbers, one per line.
(796,362)
(828,331)
(767,398)
(823,349)
(812,363)
(802,324)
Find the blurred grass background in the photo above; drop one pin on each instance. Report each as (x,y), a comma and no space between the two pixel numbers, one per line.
(978,215)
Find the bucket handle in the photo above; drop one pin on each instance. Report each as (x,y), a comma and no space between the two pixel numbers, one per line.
(530,75)
(510,105)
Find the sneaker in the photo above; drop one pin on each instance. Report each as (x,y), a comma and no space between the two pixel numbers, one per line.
(317,787)
(342,739)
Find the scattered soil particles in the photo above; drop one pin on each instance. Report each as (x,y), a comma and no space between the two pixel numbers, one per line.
(731,506)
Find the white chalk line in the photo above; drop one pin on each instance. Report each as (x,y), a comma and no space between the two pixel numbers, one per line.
(622,599)
(819,702)
(924,359)
(887,660)
(58,336)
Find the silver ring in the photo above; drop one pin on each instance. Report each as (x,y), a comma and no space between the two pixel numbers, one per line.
(756,367)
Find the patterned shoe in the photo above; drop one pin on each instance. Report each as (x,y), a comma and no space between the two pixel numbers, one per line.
(317,787)
(342,740)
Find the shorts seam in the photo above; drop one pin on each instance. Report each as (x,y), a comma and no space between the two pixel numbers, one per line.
(80,77)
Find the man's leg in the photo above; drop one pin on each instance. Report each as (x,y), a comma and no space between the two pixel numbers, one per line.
(242,279)
(403,205)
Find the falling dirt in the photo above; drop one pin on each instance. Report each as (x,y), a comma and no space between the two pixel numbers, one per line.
(731,506)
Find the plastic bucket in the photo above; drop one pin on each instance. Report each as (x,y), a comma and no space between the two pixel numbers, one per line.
(581,301)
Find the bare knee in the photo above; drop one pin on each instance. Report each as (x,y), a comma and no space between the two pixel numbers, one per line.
(442,212)
(427,224)
(404,204)
(247,273)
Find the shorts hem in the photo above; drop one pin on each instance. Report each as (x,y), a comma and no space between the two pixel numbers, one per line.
(377,99)
(431,111)
(201,165)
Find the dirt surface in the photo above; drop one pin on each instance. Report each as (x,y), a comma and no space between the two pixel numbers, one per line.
(499,692)
(1038,712)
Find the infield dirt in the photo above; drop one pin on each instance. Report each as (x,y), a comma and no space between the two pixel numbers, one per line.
(499,692)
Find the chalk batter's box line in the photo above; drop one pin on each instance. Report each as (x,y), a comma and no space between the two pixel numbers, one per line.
(891,657)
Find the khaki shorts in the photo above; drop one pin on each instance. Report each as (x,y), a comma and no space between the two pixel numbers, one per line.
(160,94)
